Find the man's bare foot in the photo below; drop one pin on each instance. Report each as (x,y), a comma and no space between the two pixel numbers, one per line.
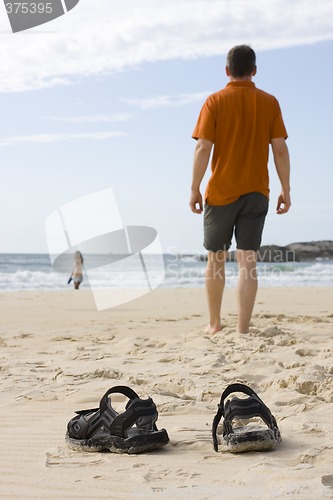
(210,330)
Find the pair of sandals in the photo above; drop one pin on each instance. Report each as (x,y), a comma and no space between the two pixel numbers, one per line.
(135,431)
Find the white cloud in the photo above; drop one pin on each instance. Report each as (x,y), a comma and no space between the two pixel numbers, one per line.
(164,101)
(100,36)
(52,138)
(115,117)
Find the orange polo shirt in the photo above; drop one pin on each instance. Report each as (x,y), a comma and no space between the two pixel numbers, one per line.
(240,120)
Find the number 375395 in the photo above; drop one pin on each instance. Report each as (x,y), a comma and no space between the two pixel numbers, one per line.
(28,8)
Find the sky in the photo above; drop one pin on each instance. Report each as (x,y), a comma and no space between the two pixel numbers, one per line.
(107,96)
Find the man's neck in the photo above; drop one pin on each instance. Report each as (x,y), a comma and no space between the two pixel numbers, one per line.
(243,79)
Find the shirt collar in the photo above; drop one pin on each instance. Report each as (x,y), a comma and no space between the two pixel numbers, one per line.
(241,84)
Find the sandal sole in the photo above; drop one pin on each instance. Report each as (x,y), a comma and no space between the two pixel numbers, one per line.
(240,442)
(140,443)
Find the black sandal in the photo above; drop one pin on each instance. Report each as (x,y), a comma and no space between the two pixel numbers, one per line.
(245,438)
(104,429)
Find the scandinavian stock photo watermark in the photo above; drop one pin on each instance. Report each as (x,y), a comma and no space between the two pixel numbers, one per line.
(93,226)
(188,267)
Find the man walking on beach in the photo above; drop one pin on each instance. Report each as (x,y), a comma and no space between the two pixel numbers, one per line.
(240,121)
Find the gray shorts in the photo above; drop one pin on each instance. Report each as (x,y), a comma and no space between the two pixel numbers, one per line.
(246,216)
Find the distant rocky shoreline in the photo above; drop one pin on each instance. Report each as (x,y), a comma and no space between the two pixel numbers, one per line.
(295,252)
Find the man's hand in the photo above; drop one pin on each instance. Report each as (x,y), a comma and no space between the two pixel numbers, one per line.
(196,202)
(283,203)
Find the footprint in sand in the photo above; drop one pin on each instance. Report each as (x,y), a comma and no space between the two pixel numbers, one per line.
(106,374)
(198,442)
(292,365)
(167,360)
(220,361)
(286,342)
(24,336)
(137,380)
(148,343)
(308,387)
(167,319)
(65,458)
(172,394)
(271,331)
(64,339)
(105,340)
(306,352)
(152,476)
(327,480)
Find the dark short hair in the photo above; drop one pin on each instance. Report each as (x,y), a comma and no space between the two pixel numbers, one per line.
(241,61)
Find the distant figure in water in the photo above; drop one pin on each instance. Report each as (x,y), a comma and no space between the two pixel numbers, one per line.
(77,274)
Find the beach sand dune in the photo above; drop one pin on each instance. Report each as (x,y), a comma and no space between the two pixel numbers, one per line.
(58,355)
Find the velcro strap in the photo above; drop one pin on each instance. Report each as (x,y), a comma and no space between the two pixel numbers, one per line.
(247,408)
(138,408)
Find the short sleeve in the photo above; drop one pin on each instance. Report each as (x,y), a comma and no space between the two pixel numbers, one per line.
(278,127)
(206,124)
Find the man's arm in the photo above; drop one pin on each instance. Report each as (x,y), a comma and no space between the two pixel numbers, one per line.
(200,164)
(282,165)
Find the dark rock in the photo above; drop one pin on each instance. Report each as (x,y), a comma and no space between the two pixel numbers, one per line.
(295,252)
(312,250)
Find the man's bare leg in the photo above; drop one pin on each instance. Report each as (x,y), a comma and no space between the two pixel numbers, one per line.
(215,280)
(247,287)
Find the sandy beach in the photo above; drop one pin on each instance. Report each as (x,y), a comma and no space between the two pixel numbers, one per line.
(59,354)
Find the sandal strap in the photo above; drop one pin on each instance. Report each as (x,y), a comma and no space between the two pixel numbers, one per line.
(137,410)
(238,388)
(120,389)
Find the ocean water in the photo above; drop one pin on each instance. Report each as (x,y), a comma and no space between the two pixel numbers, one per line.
(35,272)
